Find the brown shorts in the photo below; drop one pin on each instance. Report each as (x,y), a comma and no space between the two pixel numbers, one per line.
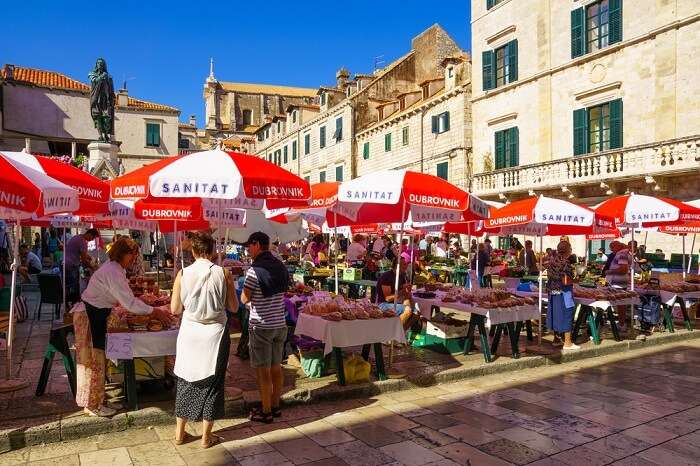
(266,346)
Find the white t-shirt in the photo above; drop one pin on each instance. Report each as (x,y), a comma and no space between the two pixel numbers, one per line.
(441,249)
(356,251)
(378,246)
(622,257)
(423,244)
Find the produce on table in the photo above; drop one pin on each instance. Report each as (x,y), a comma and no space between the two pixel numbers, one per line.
(339,308)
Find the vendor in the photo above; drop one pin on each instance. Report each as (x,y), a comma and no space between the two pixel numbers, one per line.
(560,279)
(527,259)
(315,247)
(386,292)
(76,252)
(108,287)
(618,273)
(356,250)
(482,259)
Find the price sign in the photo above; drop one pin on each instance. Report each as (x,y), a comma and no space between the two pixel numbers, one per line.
(119,346)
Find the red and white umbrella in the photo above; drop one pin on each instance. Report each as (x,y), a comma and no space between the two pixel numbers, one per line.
(215,174)
(93,193)
(647,211)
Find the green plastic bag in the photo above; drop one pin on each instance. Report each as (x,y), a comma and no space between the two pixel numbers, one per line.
(313,363)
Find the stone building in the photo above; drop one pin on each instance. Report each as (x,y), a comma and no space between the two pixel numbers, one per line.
(47,112)
(587,98)
(238,109)
(325,141)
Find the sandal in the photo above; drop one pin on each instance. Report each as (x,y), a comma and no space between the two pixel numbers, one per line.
(185,438)
(257,415)
(214,440)
(276,412)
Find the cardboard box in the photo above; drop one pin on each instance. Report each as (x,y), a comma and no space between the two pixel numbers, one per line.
(351,273)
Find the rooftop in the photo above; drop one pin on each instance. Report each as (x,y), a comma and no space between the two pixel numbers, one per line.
(56,80)
(272,89)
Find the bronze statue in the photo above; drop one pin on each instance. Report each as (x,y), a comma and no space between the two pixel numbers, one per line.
(102,100)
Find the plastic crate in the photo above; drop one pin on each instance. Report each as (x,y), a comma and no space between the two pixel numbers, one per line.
(352,273)
(437,344)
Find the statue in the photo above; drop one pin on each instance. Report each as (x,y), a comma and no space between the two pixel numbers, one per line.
(102,100)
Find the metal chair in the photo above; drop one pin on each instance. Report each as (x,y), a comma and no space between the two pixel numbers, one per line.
(51,290)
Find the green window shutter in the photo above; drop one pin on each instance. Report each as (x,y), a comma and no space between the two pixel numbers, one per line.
(442,170)
(307,179)
(322,137)
(580,131)
(152,134)
(578,32)
(294,150)
(404,136)
(488,68)
(322,176)
(365,151)
(338,129)
(616,124)
(446,119)
(307,144)
(435,123)
(339,173)
(490,4)
(615,21)
(500,145)
(512,52)
(286,157)
(387,142)
(513,141)
(269,157)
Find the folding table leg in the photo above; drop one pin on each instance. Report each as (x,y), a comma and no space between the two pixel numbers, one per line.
(514,330)
(484,338)
(528,330)
(582,314)
(339,366)
(469,341)
(686,317)
(379,361)
(593,327)
(45,371)
(496,331)
(613,324)
(130,383)
(365,352)
(668,318)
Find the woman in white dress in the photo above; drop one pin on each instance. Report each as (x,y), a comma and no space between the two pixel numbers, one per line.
(202,292)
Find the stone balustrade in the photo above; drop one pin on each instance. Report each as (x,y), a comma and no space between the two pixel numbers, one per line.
(662,158)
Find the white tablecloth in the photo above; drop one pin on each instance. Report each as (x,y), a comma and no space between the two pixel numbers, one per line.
(493,316)
(140,344)
(585,301)
(668,297)
(350,332)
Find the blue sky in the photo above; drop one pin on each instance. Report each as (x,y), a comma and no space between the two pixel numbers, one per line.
(163,47)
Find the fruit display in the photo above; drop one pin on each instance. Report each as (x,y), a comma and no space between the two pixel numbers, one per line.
(339,308)
(603,293)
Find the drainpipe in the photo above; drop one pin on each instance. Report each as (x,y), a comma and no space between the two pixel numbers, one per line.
(422,117)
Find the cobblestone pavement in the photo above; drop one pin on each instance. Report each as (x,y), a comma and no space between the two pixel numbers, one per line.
(623,409)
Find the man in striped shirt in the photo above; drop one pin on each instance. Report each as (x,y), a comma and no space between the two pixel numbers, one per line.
(263,291)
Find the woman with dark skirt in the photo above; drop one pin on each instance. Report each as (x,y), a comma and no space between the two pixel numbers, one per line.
(201,293)
(560,281)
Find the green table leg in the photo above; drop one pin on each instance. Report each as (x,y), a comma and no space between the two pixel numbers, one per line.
(686,317)
(130,383)
(613,324)
(591,318)
(668,317)
(469,341)
(484,336)
(581,312)
(496,337)
(339,366)
(379,361)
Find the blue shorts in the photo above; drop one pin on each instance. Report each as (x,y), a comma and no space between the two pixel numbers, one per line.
(399,308)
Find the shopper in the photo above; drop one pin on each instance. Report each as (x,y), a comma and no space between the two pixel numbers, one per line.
(76,254)
(263,290)
(108,287)
(356,249)
(201,293)
(618,274)
(560,279)
(30,264)
(387,292)
(528,260)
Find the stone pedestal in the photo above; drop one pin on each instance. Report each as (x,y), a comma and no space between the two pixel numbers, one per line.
(102,151)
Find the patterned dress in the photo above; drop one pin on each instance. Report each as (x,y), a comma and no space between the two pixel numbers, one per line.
(560,314)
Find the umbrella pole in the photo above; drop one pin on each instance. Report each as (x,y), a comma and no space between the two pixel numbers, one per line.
(9,385)
(632,264)
(539,300)
(63,272)
(396,281)
(692,248)
(683,257)
(469,260)
(335,262)
(157,238)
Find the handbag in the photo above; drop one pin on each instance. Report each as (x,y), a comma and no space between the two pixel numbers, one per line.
(21,309)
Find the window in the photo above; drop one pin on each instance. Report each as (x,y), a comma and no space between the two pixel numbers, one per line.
(348,91)
(365,150)
(322,98)
(269,157)
(441,123)
(307,179)
(442,170)
(339,173)
(294,116)
(279,127)
(307,144)
(404,136)
(595,26)
(506,148)
(387,142)
(338,135)
(322,137)
(183,143)
(261,136)
(492,3)
(278,157)
(322,176)
(500,66)
(426,91)
(247,117)
(598,128)
(267,132)
(152,135)
(450,72)
(285,156)
(294,150)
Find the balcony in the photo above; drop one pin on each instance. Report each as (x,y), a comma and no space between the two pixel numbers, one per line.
(665,158)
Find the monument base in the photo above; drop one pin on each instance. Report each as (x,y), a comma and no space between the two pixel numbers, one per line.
(100,151)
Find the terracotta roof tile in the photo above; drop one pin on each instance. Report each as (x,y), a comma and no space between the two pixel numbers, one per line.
(145,105)
(250,88)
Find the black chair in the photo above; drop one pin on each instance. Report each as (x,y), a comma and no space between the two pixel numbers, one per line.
(51,290)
